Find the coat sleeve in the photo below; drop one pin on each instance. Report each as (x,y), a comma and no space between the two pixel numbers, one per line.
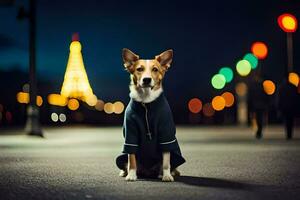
(167,131)
(130,133)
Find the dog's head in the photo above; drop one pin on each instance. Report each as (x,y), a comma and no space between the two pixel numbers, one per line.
(147,73)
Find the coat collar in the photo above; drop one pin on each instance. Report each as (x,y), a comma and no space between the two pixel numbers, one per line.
(152,105)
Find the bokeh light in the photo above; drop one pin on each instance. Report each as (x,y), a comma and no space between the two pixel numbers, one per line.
(195,105)
(287,22)
(54,117)
(243,67)
(227,73)
(241,89)
(8,116)
(251,59)
(62,117)
(73,104)
(218,81)
(294,78)
(57,100)
(91,100)
(229,99)
(208,110)
(109,108)
(39,101)
(260,50)
(218,103)
(118,107)
(26,87)
(269,87)
(99,105)
(23,97)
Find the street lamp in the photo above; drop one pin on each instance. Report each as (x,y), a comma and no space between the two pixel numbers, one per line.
(33,126)
(288,23)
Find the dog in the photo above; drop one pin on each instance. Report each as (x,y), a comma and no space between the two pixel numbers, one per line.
(151,149)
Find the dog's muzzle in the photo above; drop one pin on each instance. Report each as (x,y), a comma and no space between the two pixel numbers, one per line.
(146,82)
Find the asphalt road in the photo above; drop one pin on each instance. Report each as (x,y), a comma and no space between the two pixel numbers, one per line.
(79,163)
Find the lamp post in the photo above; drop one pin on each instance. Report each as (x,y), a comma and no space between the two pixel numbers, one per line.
(288,23)
(33,126)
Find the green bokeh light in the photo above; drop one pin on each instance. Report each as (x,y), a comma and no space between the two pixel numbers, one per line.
(227,73)
(252,59)
(243,67)
(218,81)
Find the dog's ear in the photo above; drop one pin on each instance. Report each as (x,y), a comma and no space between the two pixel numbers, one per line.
(165,58)
(129,58)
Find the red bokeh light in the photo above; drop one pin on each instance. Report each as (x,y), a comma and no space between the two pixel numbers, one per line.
(287,22)
(195,105)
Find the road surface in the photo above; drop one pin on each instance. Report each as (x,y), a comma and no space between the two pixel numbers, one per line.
(79,163)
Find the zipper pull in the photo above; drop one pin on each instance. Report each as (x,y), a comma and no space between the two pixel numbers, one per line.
(149,136)
(147,122)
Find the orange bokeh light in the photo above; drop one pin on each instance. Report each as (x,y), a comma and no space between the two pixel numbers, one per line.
(259,49)
(269,87)
(99,105)
(229,99)
(218,103)
(294,78)
(57,100)
(39,101)
(23,97)
(287,22)
(208,110)
(109,108)
(118,107)
(195,105)
(73,104)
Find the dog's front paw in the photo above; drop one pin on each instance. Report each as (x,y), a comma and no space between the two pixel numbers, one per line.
(167,178)
(131,176)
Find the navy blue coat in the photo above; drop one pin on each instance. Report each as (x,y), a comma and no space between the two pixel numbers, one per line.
(149,130)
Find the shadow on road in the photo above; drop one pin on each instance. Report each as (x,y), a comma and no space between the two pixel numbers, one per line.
(213,182)
(266,141)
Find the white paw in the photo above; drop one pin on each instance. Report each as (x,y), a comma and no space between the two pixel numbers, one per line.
(167,178)
(131,175)
(123,173)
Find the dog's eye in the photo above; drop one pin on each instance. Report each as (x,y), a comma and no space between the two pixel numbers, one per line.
(140,69)
(155,70)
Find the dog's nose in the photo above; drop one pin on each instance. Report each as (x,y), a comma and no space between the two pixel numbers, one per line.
(146,81)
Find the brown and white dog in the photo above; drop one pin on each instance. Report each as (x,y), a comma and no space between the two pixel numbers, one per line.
(146,87)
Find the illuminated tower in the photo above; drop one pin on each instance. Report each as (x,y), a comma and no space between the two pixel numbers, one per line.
(76,83)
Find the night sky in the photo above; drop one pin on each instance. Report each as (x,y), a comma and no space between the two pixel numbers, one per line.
(205,35)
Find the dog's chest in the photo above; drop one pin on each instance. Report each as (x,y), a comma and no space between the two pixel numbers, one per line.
(149,117)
